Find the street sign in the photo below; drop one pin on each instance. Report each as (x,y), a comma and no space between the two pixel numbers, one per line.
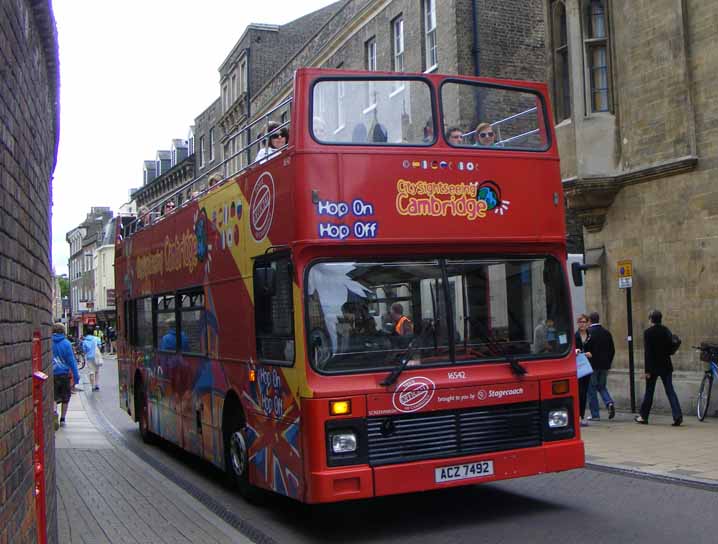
(625,274)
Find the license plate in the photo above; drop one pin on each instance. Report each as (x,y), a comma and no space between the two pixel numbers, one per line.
(463,472)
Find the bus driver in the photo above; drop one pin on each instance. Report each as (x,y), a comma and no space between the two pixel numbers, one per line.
(402,324)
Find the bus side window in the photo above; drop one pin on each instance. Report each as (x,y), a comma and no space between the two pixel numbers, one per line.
(191,308)
(274,310)
(143,329)
(166,320)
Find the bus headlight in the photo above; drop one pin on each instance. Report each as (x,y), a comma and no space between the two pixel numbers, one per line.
(344,442)
(557,419)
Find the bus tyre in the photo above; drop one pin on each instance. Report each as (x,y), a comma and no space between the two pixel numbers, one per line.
(236,457)
(142,413)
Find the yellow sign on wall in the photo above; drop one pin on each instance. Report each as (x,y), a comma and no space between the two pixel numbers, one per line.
(625,274)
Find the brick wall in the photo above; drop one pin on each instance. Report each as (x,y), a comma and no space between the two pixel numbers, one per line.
(28,144)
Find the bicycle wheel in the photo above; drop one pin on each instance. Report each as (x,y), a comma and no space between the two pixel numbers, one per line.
(80,361)
(704,396)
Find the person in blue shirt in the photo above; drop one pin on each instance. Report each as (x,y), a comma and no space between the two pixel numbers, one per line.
(91,347)
(169,341)
(63,363)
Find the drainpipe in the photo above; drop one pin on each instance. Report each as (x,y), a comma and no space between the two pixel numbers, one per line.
(476,50)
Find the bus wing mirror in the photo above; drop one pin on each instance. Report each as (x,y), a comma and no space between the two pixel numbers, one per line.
(266,280)
(576,272)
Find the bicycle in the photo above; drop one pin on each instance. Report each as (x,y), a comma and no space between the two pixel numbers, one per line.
(709,355)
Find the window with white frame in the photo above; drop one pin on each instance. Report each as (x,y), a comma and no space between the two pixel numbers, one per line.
(371,55)
(398,32)
(596,44)
(562,81)
(211,144)
(201,151)
(431,46)
(370,51)
(243,76)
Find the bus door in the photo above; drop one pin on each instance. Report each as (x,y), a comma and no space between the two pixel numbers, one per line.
(273,413)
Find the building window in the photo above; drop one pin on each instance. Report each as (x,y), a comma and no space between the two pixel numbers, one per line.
(371,67)
(201,151)
(225,97)
(243,77)
(211,144)
(235,92)
(371,55)
(430,35)
(562,80)
(398,31)
(596,49)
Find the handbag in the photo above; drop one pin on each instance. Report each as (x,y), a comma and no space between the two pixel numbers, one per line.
(583,365)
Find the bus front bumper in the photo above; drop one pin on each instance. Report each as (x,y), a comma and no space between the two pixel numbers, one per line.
(362,482)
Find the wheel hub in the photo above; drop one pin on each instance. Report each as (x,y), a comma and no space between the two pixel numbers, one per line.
(238,453)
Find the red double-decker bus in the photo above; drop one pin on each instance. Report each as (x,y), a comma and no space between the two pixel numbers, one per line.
(378,306)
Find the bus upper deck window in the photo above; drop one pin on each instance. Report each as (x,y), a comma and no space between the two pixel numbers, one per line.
(490,117)
(372,112)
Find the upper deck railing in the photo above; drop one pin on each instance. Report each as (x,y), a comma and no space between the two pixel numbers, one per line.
(157,212)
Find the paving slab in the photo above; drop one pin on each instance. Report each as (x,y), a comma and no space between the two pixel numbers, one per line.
(107,495)
(688,452)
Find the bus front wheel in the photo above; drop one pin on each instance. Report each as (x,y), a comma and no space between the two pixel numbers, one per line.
(236,453)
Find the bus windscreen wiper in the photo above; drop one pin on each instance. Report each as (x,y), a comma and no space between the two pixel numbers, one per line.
(406,357)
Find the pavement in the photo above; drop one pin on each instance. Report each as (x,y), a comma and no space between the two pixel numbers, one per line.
(106,494)
(688,454)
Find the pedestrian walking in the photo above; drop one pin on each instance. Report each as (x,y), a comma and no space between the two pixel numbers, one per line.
(91,348)
(600,350)
(63,363)
(583,383)
(657,349)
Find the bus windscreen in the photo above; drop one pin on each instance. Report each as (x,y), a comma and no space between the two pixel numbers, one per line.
(365,316)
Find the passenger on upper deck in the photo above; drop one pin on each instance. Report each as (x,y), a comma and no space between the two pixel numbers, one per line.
(169,207)
(428,131)
(485,135)
(455,136)
(144,217)
(277,140)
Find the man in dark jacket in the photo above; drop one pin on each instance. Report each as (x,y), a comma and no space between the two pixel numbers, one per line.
(657,344)
(600,350)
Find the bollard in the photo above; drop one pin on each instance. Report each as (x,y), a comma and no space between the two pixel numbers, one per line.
(38,457)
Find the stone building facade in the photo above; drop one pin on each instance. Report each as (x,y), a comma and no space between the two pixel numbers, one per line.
(637,113)
(84,241)
(29,130)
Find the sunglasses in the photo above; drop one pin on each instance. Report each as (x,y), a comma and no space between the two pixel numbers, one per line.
(486,134)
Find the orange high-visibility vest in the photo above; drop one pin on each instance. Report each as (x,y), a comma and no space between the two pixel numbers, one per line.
(400,324)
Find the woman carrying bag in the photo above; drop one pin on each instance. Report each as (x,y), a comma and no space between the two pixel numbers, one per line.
(583,366)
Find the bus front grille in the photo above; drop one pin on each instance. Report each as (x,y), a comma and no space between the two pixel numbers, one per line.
(452,433)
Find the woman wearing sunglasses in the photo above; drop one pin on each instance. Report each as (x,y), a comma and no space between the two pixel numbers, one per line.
(485,135)
(277,140)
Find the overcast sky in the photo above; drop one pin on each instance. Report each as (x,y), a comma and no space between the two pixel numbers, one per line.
(133,76)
